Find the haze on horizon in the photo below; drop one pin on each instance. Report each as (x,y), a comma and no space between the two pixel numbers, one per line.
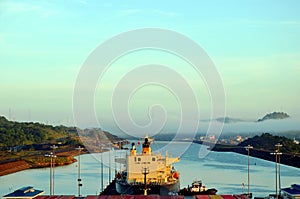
(254,45)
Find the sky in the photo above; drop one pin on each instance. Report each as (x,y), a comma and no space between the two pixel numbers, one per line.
(254,46)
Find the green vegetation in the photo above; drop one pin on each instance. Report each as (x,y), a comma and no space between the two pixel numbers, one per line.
(267,142)
(14,134)
(274,115)
(24,145)
(42,161)
(30,142)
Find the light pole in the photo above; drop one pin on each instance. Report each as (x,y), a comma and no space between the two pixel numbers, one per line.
(248,149)
(79,179)
(101,168)
(51,155)
(115,163)
(278,145)
(277,156)
(109,162)
(53,147)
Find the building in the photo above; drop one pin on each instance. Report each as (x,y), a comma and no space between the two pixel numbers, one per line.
(24,193)
(292,192)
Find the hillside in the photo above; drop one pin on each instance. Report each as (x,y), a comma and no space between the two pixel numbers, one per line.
(274,115)
(17,134)
(228,120)
(266,141)
(27,133)
(264,147)
(24,144)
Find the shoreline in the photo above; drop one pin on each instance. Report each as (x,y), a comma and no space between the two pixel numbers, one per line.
(286,159)
(16,165)
(64,157)
(20,164)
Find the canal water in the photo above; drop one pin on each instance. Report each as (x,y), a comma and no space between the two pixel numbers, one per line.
(224,171)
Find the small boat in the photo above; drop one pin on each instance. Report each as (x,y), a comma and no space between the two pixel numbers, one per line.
(197,188)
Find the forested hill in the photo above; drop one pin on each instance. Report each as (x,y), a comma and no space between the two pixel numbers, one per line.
(28,133)
(274,115)
(266,141)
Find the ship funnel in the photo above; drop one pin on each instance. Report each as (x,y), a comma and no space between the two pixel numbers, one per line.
(133,149)
(146,147)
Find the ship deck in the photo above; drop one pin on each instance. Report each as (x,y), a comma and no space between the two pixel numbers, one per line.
(141,197)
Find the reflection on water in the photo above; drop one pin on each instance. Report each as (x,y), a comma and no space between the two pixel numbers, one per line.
(224,171)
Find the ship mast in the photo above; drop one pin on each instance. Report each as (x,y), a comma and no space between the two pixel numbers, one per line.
(145,172)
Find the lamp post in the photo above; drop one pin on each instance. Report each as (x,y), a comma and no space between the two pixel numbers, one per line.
(51,156)
(79,179)
(101,169)
(277,157)
(109,165)
(278,145)
(53,147)
(115,163)
(248,149)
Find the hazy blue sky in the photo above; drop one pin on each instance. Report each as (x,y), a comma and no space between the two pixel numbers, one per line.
(254,44)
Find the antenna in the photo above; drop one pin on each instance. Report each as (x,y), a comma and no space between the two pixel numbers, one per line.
(29,115)
(9,114)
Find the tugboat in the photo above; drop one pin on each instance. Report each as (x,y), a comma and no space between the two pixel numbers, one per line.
(148,173)
(197,188)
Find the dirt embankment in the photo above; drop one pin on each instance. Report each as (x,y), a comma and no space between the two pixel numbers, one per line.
(64,157)
(12,167)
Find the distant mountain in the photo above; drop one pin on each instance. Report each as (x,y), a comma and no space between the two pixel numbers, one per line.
(228,120)
(274,115)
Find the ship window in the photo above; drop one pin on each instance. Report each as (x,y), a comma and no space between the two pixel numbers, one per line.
(153,159)
(139,159)
(135,159)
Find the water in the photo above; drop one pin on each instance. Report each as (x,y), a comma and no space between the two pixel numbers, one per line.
(224,171)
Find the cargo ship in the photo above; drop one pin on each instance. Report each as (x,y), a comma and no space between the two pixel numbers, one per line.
(147,173)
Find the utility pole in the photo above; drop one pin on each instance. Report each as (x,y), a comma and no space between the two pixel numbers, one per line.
(79,179)
(248,149)
(51,156)
(53,147)
(277,157)
(101,170)
(278,145)
(109,166)
(115,162)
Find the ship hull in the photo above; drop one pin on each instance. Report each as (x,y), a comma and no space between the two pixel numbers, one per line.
(124,188)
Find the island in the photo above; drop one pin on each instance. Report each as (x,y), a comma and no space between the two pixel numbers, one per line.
(274,116)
